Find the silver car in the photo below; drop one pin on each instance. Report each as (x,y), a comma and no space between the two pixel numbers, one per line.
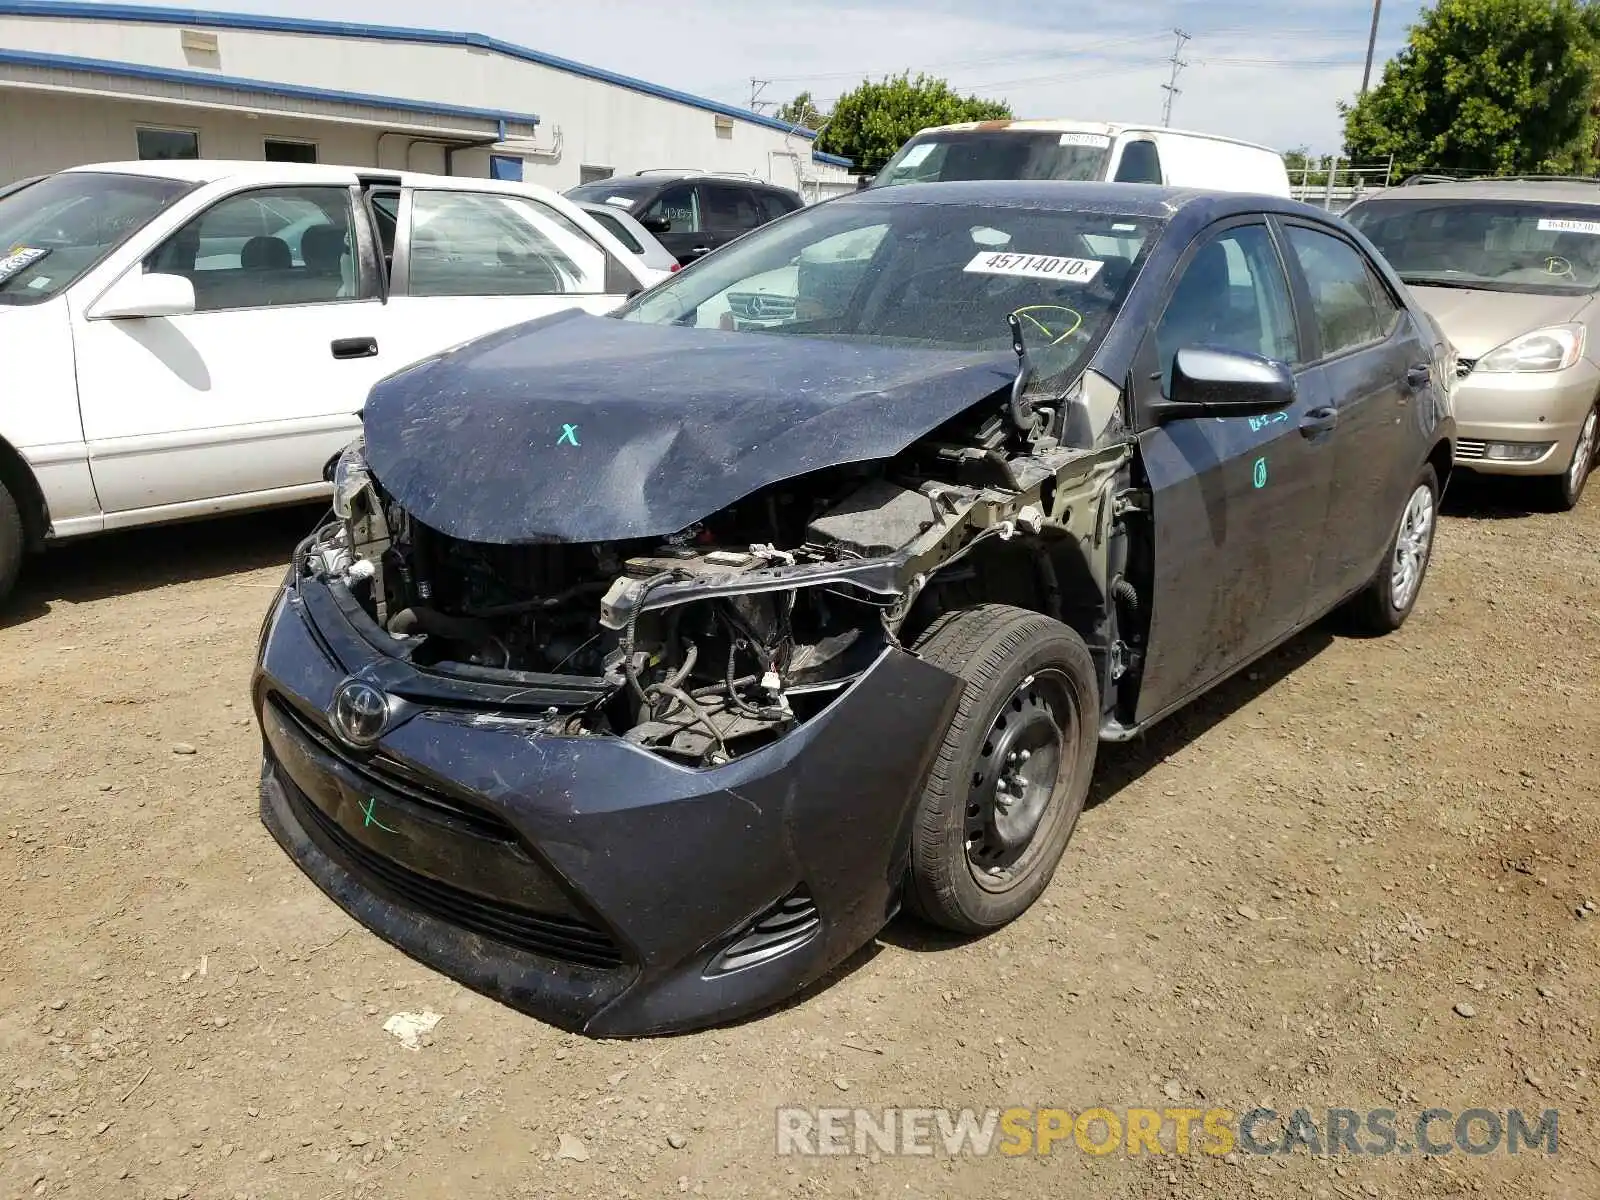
(1510,269)
(620,224)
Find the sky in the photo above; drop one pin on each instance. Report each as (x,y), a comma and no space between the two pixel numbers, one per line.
(1270,73)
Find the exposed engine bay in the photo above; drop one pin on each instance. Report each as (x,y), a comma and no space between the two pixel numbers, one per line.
(719,639)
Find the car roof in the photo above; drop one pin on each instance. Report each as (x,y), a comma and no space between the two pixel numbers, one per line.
(1066,125)
(1127,199)
(247,171)
(1567,191)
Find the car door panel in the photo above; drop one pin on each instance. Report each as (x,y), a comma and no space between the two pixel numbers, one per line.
(1368,344)
(232,401)
(1237,502)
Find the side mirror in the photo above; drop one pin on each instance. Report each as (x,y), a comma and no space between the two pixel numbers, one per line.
(1224,383)
(656,224)
(864,181)
(145,295)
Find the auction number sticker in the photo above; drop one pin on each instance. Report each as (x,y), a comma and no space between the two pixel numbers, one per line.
(19,260)
(1098,140)
(1565,225)
(1035,266)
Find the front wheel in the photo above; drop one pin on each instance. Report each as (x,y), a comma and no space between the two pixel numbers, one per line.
(11,542)
(1011,775)
(1388,600)
(1566,489)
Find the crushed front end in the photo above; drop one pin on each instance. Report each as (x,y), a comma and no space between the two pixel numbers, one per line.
(644,785)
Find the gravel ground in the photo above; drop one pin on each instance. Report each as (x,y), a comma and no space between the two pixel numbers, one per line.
(1355,877)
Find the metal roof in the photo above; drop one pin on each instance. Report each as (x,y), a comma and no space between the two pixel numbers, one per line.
(203,18)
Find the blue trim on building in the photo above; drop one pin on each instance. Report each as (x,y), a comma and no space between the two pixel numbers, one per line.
(388,33)
(833,160)
(102,66)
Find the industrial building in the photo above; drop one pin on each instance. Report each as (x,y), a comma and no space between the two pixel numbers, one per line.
(100,82)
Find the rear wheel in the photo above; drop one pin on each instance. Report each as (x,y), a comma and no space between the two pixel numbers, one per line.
(11,542)
(1388,600)
(1010,778)
(1566,489)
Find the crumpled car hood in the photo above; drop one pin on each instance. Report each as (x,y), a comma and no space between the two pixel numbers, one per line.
(575,428)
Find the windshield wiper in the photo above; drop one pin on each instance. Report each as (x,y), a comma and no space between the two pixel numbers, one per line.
(1446,281)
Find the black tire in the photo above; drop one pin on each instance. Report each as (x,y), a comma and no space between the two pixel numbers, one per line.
(12,542)
(1039,672)
(1375,609)
(1562,492)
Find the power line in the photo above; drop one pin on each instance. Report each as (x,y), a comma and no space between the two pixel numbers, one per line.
(757,86)
(1171,86)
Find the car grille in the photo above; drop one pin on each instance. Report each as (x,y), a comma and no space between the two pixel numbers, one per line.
(1469,450)
(787,925)
(761,306)
(1464,367)
(386,773)
(537,933)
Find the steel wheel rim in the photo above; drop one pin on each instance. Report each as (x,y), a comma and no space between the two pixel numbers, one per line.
(1411,547)
(1578,470)
(1027,755)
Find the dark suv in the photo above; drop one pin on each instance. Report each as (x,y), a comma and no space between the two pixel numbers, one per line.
(691,215)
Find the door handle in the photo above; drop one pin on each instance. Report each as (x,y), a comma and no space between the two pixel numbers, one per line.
(697,251)
(1418,376)
(356,347)
(1318,421)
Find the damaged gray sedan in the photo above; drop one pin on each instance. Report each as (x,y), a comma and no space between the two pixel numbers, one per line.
(649,663)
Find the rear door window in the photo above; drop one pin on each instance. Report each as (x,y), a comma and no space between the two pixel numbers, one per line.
(492,244)
(729,208)
(1351,308)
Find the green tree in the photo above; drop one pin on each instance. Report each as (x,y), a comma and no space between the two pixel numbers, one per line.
(1304,168)
(801,111)
(1492,86)
(873,121)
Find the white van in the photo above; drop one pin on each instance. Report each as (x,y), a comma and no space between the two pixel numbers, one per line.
(1088,151)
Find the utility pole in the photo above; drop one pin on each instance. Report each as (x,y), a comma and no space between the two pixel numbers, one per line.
(1171,86)
(1372,44)
(757,86)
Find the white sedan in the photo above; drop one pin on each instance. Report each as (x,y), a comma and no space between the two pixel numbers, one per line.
(196,337)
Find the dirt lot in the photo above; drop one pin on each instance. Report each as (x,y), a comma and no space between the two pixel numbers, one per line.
(1280,899)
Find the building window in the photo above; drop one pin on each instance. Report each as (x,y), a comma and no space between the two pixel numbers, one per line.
(289,150)
(167,143)
(505,166)
(588,174)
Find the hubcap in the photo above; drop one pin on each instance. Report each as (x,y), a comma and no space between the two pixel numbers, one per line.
(1019,770)
(1579,470)
(1411,547)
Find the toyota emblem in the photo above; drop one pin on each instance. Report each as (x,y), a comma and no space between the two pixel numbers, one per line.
(360,713)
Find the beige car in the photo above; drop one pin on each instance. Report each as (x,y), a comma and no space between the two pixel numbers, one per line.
(1510,269)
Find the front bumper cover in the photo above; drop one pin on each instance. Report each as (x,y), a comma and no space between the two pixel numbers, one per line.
(585,880)
(1532,407)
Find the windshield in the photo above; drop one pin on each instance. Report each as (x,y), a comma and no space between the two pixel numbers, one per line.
(623,193)
(997,154)
(54,230)
(929,276)
(1495,245)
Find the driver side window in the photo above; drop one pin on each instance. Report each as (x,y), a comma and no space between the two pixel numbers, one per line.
(1232,295)
(680,205)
